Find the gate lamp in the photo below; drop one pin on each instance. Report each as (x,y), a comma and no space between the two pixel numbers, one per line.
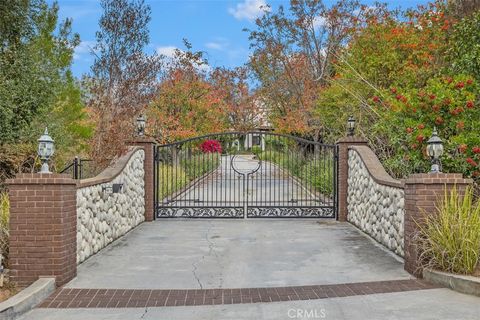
(435,151)
(141,123)
(351,126)
(46,149)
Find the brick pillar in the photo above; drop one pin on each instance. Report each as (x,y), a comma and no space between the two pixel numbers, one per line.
(148,145)
(422,193)
(343,145)
(43,227)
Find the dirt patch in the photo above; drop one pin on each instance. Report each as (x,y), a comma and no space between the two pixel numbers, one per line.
(7,291)
(476,273)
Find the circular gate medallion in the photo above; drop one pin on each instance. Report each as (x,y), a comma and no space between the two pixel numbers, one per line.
(245,164)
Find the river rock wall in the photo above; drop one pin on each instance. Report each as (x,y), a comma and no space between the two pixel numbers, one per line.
(377,209)
(103,216)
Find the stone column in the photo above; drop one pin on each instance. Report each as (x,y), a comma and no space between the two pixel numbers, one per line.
(148,145)
(43,227)
(343,145)
(422,194)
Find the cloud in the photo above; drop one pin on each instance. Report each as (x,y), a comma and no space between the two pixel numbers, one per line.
(83,50)
(218,43)
(249,9)
(167,51)
(319,22)
(215,46)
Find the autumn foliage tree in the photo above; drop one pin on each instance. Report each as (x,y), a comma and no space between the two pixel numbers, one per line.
(400,76)
(293,54)
(243,106)
(186,106)
(194,99)
(124,78)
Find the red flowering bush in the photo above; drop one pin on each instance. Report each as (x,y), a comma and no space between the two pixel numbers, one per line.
(211,146)
(448,103)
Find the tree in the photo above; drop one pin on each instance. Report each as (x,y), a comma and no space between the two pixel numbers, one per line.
(243,107)
(293,54)
(465,49)
(389,51)
(187,105)
(124,78)
(463,8)
(396,75)
(34,62)
(36,85)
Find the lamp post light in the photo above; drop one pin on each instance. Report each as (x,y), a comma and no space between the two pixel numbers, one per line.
(141,123)
(46,149)
(435,151)
(351,126)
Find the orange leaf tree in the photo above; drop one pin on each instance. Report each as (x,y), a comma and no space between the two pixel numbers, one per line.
(187,105)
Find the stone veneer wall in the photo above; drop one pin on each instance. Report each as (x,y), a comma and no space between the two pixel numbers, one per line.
(102,216)
(376,201)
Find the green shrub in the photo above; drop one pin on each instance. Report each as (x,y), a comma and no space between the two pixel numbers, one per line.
(4,230)
(450,239)
(173,178)
(256,150)
(199,164)
(318,174)
(288,160)
(170,179)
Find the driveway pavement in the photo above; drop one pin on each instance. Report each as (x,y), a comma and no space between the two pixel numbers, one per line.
(203,254)
(433,304)
(191,254)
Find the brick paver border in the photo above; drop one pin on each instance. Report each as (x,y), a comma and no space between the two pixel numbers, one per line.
(132,298)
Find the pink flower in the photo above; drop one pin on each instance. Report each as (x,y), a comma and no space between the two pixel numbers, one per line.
(471,162)
(211,146)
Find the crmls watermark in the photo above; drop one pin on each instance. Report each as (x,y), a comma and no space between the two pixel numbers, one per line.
(306,313)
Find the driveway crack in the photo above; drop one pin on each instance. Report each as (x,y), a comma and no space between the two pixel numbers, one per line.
(211,246)
(144,313)
(194,271)
(211,252)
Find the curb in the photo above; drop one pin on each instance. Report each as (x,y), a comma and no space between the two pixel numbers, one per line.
(460,283)
(27,299)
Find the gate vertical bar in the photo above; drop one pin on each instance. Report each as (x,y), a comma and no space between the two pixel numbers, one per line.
(335,179)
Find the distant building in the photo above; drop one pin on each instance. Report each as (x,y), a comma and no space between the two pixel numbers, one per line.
(262,123)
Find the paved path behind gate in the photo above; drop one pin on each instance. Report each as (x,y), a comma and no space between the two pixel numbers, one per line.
(267,185)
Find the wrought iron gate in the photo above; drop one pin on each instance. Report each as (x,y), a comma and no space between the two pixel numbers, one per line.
(253,175)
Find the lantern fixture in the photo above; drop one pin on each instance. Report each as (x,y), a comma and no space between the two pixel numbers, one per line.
(46,149)
(435,151)
(141,123)
(351,126)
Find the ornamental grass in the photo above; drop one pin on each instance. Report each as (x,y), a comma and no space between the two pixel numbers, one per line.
(450,239)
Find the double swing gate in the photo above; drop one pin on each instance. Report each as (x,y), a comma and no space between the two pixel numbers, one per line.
(246,175)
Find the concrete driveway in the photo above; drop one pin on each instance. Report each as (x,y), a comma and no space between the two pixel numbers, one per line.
(238,254)
(203,254)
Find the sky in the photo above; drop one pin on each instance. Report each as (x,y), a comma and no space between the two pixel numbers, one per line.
(212,26)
